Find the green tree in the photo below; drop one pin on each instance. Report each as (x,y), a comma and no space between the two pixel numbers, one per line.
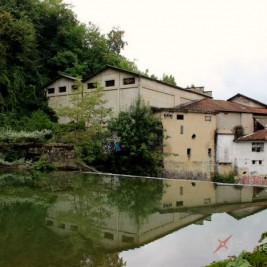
(88,109)
(168,79)
(140,134)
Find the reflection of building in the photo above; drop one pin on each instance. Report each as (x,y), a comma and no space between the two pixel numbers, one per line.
(183,203)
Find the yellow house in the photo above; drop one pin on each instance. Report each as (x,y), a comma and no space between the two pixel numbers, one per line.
(190,144)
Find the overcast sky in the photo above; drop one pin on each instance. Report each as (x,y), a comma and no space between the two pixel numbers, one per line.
(218,44)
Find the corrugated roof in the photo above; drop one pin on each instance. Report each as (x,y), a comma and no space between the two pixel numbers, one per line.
(257,136)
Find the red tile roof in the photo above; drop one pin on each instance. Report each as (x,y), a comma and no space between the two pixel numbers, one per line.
(211,105)
(257,136)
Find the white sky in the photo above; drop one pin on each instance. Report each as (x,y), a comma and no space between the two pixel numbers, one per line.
(218,44)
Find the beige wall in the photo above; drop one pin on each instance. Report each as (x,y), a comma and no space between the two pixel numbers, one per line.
(178,143)
(226,121)
(120,96)
(179,194)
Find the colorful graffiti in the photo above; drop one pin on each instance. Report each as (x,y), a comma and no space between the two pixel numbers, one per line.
(252,179)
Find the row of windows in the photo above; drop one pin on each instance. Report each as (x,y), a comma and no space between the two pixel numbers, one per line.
(108,83)
(111,83)
(61,89)
(181,117)
(124,238)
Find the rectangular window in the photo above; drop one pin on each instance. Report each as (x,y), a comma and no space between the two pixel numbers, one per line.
(181,129)
(188,152)
(108,236)
(91,85)
(179,203)
(51,91)
(181,190)
(180,117)
(127,239)
(110,83)
(257,147)
(128,81)
(253,162)
(61,226)
(260,162)
(209,152)
(62,89)
(207,118)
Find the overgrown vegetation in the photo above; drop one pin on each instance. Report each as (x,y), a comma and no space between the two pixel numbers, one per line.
(224,178)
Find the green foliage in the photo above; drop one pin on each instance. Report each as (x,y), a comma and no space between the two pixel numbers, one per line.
(168,79)
(44,165)
(140,134)
(38,39)
(224,178)
(10,136)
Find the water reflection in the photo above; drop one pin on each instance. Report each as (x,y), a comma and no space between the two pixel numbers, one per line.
(68,219)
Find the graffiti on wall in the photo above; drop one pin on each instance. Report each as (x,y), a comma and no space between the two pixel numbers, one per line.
(252,179)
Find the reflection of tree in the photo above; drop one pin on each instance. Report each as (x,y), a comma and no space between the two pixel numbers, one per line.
(26,241)
(137,196)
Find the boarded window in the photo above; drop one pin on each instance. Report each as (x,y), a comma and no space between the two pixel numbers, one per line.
(181,129)
(110,83)
(181,190)
(180,117)
(51,91)
(128,81)
(62,89)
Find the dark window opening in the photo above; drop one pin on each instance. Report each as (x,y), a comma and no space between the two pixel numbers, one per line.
(91,85)
(257,147)
(168,115)
(180,117)
(127,239)
(108,236)
(188,152)
(49,223)
(181,129)
(51,90)
(110,83)
(179,203)
(260,162)
(181,190)
(128,81)
(74,87)
(253,161)
(209,152)
(62,89)
(61,226)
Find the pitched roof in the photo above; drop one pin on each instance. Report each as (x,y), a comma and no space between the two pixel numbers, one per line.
(251,99)
(145,77)
(211,105)
(59,76)
(257,136)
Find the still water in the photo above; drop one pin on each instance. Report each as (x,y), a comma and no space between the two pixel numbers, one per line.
(72,219)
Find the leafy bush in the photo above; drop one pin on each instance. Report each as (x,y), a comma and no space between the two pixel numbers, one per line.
(44,165)
(224,178)
(11,136)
